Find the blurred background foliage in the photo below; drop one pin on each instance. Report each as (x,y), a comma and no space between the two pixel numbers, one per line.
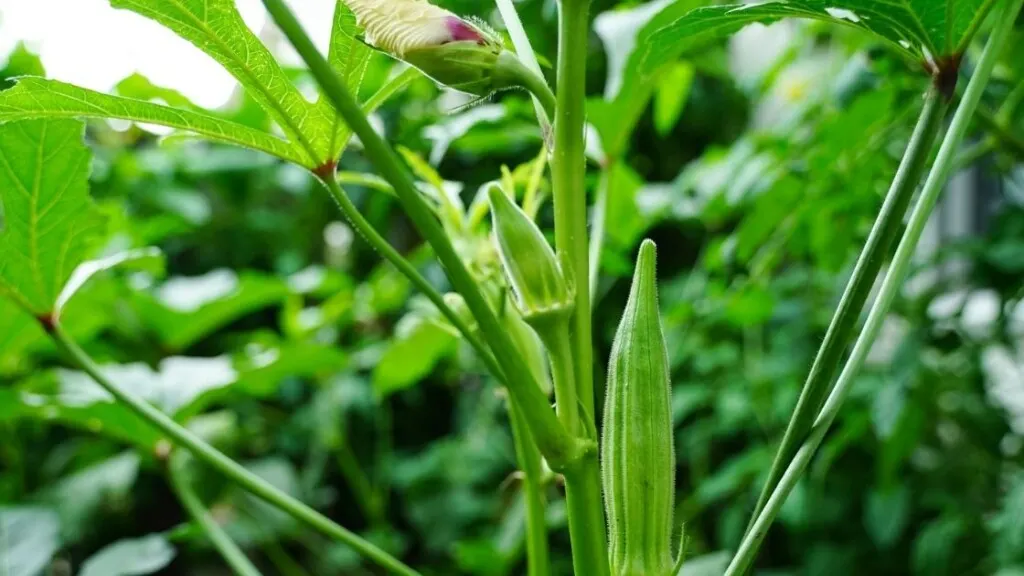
(273,330)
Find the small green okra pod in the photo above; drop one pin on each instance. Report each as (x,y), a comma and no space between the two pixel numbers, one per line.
(637,456)
(542,292)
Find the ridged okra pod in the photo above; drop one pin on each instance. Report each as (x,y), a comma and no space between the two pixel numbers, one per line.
(637,457)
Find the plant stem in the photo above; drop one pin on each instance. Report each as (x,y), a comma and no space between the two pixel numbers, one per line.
(568,168)
(876,251)
(889,289)
(370,234)
(554,441)
(597,231)
(358,482)
(537,556)
(560,355)
(525,53)
(211,456)
(230,551)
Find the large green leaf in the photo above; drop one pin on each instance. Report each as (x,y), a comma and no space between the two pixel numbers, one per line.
(348,57)
(28,539)
(42,98)
(217,28)
(134,557)
(923,30)
(50,221)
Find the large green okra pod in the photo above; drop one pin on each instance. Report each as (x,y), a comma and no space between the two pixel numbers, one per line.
(637,457)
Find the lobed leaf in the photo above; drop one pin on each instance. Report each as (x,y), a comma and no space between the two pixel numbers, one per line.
(41,98)
(50,221)
(216,27)
(348,57)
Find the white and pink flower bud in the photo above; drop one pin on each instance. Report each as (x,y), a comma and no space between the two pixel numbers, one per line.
(455,52)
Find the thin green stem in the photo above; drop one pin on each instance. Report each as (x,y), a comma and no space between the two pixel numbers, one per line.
(358,482)
(560,356)
(554,441)
(370,234)
(209,455)
(597,230)
(568,168)
(232,554)
(538,562)
(371,181)
(876,251)
(524,50)
(890,287)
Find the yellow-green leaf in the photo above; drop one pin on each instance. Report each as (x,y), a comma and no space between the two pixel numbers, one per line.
(49,220)
(42,98)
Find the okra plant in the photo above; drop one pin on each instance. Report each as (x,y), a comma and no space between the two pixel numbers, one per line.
(522,304)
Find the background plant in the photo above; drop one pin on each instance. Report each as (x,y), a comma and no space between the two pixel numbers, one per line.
(766,253)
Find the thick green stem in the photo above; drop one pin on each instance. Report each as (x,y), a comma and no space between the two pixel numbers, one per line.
(554,441)
(223,464)
(232,554)
(568,171)
(568,168)
(890,287)
(538,562)
(370,234)
(876,251)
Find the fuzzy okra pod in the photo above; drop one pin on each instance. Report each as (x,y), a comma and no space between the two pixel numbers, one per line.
(456,52)
(637,457)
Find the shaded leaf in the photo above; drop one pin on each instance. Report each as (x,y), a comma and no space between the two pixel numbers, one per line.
(18,332)
(713,564)
(216,27)
(184,310)
(135,557)
(412,356)
(28,539)
(50,221)
(79,497)
(42,98)
(886,515)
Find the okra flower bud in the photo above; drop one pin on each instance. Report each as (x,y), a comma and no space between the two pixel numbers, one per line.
(542,292)
(637,457)
(455,52)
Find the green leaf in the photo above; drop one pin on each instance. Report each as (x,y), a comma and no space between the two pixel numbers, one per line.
(671,95)
(50,219)
(135,557)
(80,497)
(348,57)
(412,356)
(29,537)
(186,309)
(923,30)
(18,332)
(886,515)
(42,98)
(148,259)
(216,27)
(713,564)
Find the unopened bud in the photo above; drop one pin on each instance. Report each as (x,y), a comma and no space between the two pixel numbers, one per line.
(528,344)
(637,456)
(456,53)
(541,289)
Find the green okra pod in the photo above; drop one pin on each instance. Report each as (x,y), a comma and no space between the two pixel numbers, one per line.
(637,456)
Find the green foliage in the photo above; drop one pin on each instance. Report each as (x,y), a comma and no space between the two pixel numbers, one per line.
(38,97)
(130,557)
(276,333)
(50,221)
